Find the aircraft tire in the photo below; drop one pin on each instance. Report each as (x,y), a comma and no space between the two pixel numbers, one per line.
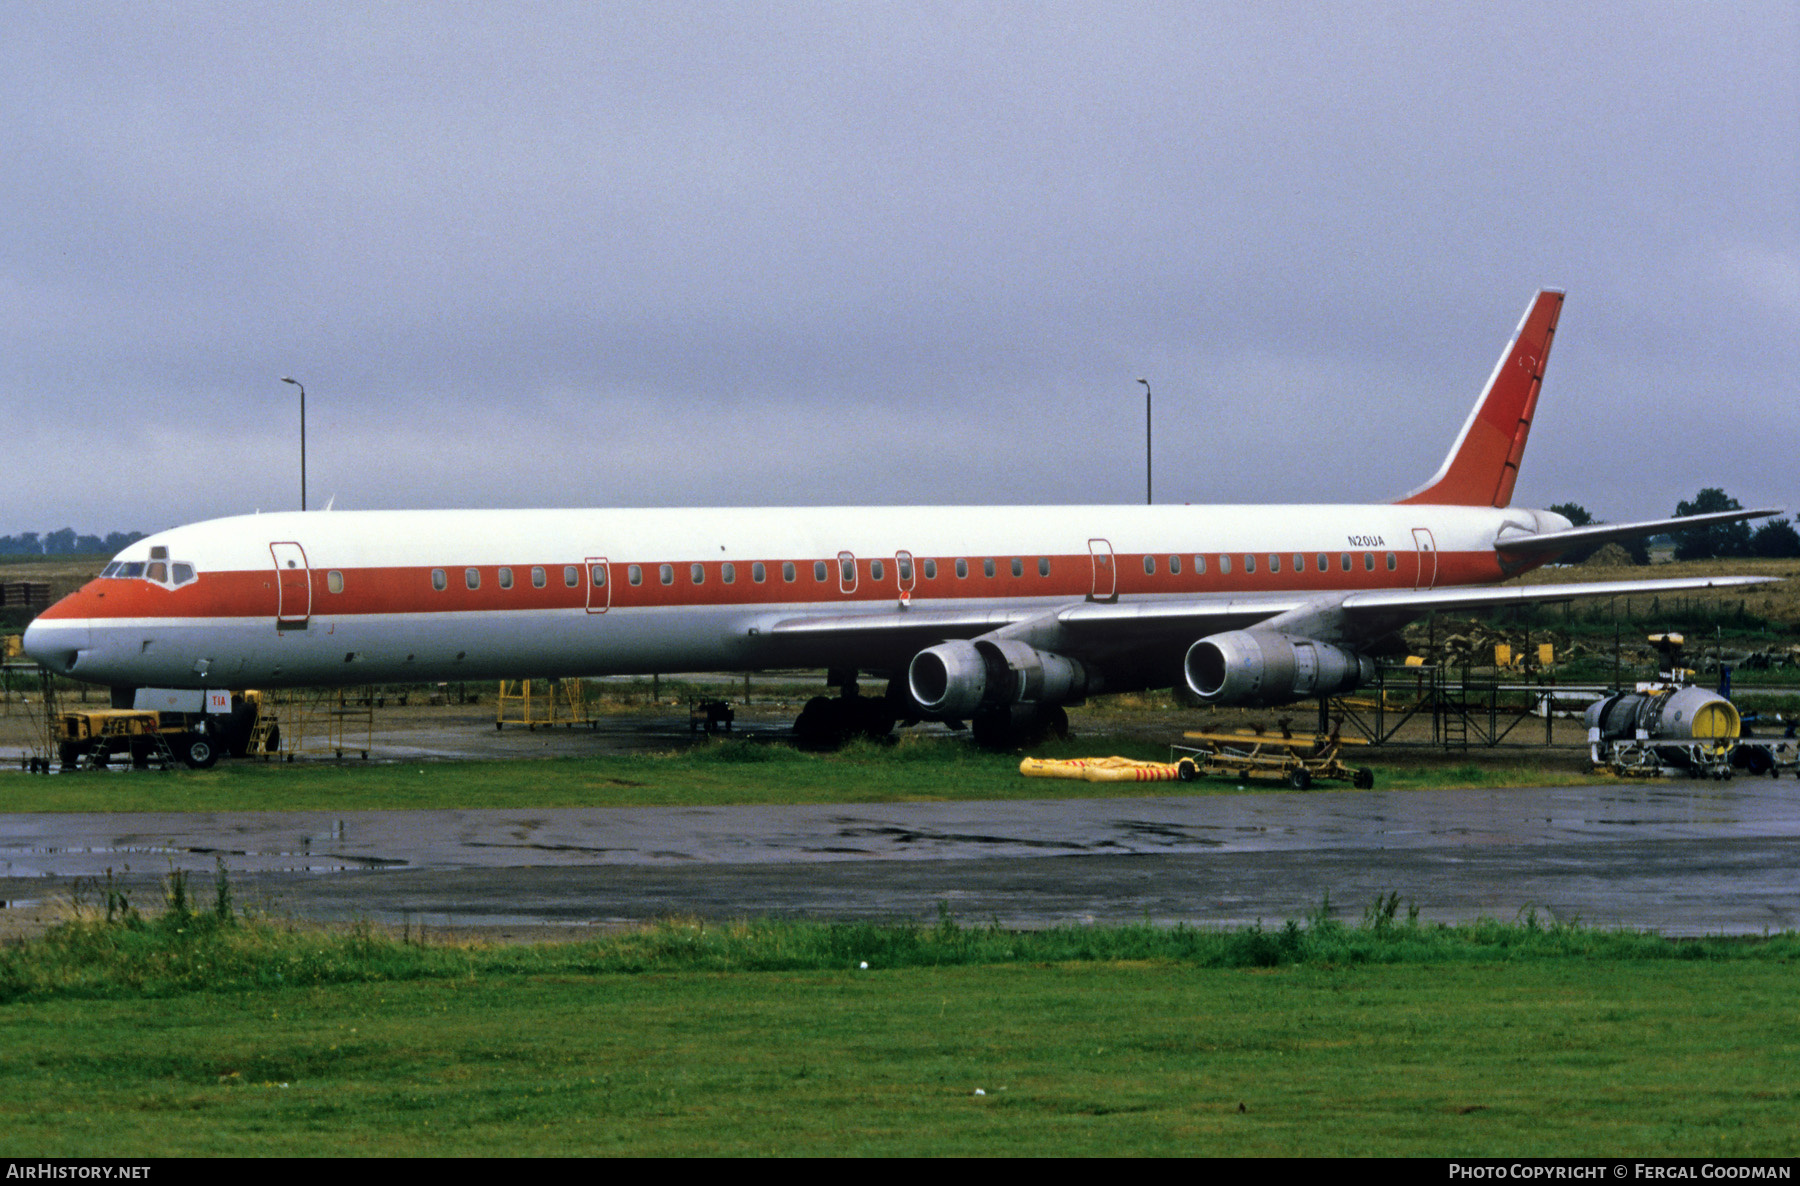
(201,751)
(820,724)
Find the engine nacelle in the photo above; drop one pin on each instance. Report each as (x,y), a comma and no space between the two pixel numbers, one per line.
(960,679)
(1265,667)
(1684,714)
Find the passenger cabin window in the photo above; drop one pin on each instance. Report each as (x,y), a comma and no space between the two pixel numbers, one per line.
(1199,565)
(987,568)
(1249,564)
(506,578)
(472,577)
(1392,561)
(728,573)
(334,580)
(1149,566)
(1299,562)
(1225,566)
(539,578)
(571,576)
(846,571)
(758,572)
(905,567)
(1018,567)
(597,574)
(1043,566)
(697,573)
(1368,561)
(1345,561)
(819,571)
(439,581)
(876,571)
(1324,562)
(635,574)
(1174,566)
(931,570)
(1274,562)
(962,569)
(787,571)
(665,573)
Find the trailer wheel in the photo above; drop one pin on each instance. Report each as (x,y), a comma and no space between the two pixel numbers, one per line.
(202,752)
(1299,779)
(1364,780)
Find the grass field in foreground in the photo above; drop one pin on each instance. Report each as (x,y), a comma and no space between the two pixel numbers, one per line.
(715,773)
(188,1036)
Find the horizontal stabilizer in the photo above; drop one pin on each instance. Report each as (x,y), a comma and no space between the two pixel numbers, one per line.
(1599,533)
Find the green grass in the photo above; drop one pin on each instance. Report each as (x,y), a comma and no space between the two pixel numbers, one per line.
(200,1033)
(712,773)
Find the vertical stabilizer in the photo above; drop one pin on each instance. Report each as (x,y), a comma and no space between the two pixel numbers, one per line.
(1484,462)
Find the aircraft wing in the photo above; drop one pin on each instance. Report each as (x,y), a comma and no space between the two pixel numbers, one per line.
(1599,533)
(1420,601)
(1126,625)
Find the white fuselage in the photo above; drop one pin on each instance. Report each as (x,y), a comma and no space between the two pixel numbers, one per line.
(341,598)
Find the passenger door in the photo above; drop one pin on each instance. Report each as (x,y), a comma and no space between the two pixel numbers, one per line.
(293,586)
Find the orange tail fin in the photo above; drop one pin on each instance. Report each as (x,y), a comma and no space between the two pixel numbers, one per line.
(1484,462)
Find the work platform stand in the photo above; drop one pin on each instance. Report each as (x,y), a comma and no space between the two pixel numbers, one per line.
(564,702)
(326,721)
(1462,711)
(42,752)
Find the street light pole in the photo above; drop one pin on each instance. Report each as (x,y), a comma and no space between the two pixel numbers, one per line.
(302,388)
(1147,471)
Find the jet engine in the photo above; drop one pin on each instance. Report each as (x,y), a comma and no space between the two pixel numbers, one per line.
(1265,667)
(962,679)
(1685,714)
(1652,730)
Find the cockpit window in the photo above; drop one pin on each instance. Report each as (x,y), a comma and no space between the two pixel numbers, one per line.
(175,574)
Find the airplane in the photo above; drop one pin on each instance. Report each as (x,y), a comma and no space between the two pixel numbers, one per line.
(996,616)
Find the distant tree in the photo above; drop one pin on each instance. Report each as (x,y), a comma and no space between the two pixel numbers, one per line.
(1578,515)
(60,543)
(1776,539)
(1574,512)
(24,544)
(1722,540)
(119,540)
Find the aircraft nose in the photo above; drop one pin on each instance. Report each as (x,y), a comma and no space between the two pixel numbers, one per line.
(56,646)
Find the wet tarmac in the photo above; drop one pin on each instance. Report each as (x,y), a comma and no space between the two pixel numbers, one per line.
(1681,858)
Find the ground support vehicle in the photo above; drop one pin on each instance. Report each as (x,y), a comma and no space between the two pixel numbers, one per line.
(1298,759)
(91,739)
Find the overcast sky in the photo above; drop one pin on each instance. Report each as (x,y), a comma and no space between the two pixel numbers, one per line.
(679,254)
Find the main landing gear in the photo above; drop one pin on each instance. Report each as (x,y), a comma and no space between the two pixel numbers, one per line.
(828,722)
